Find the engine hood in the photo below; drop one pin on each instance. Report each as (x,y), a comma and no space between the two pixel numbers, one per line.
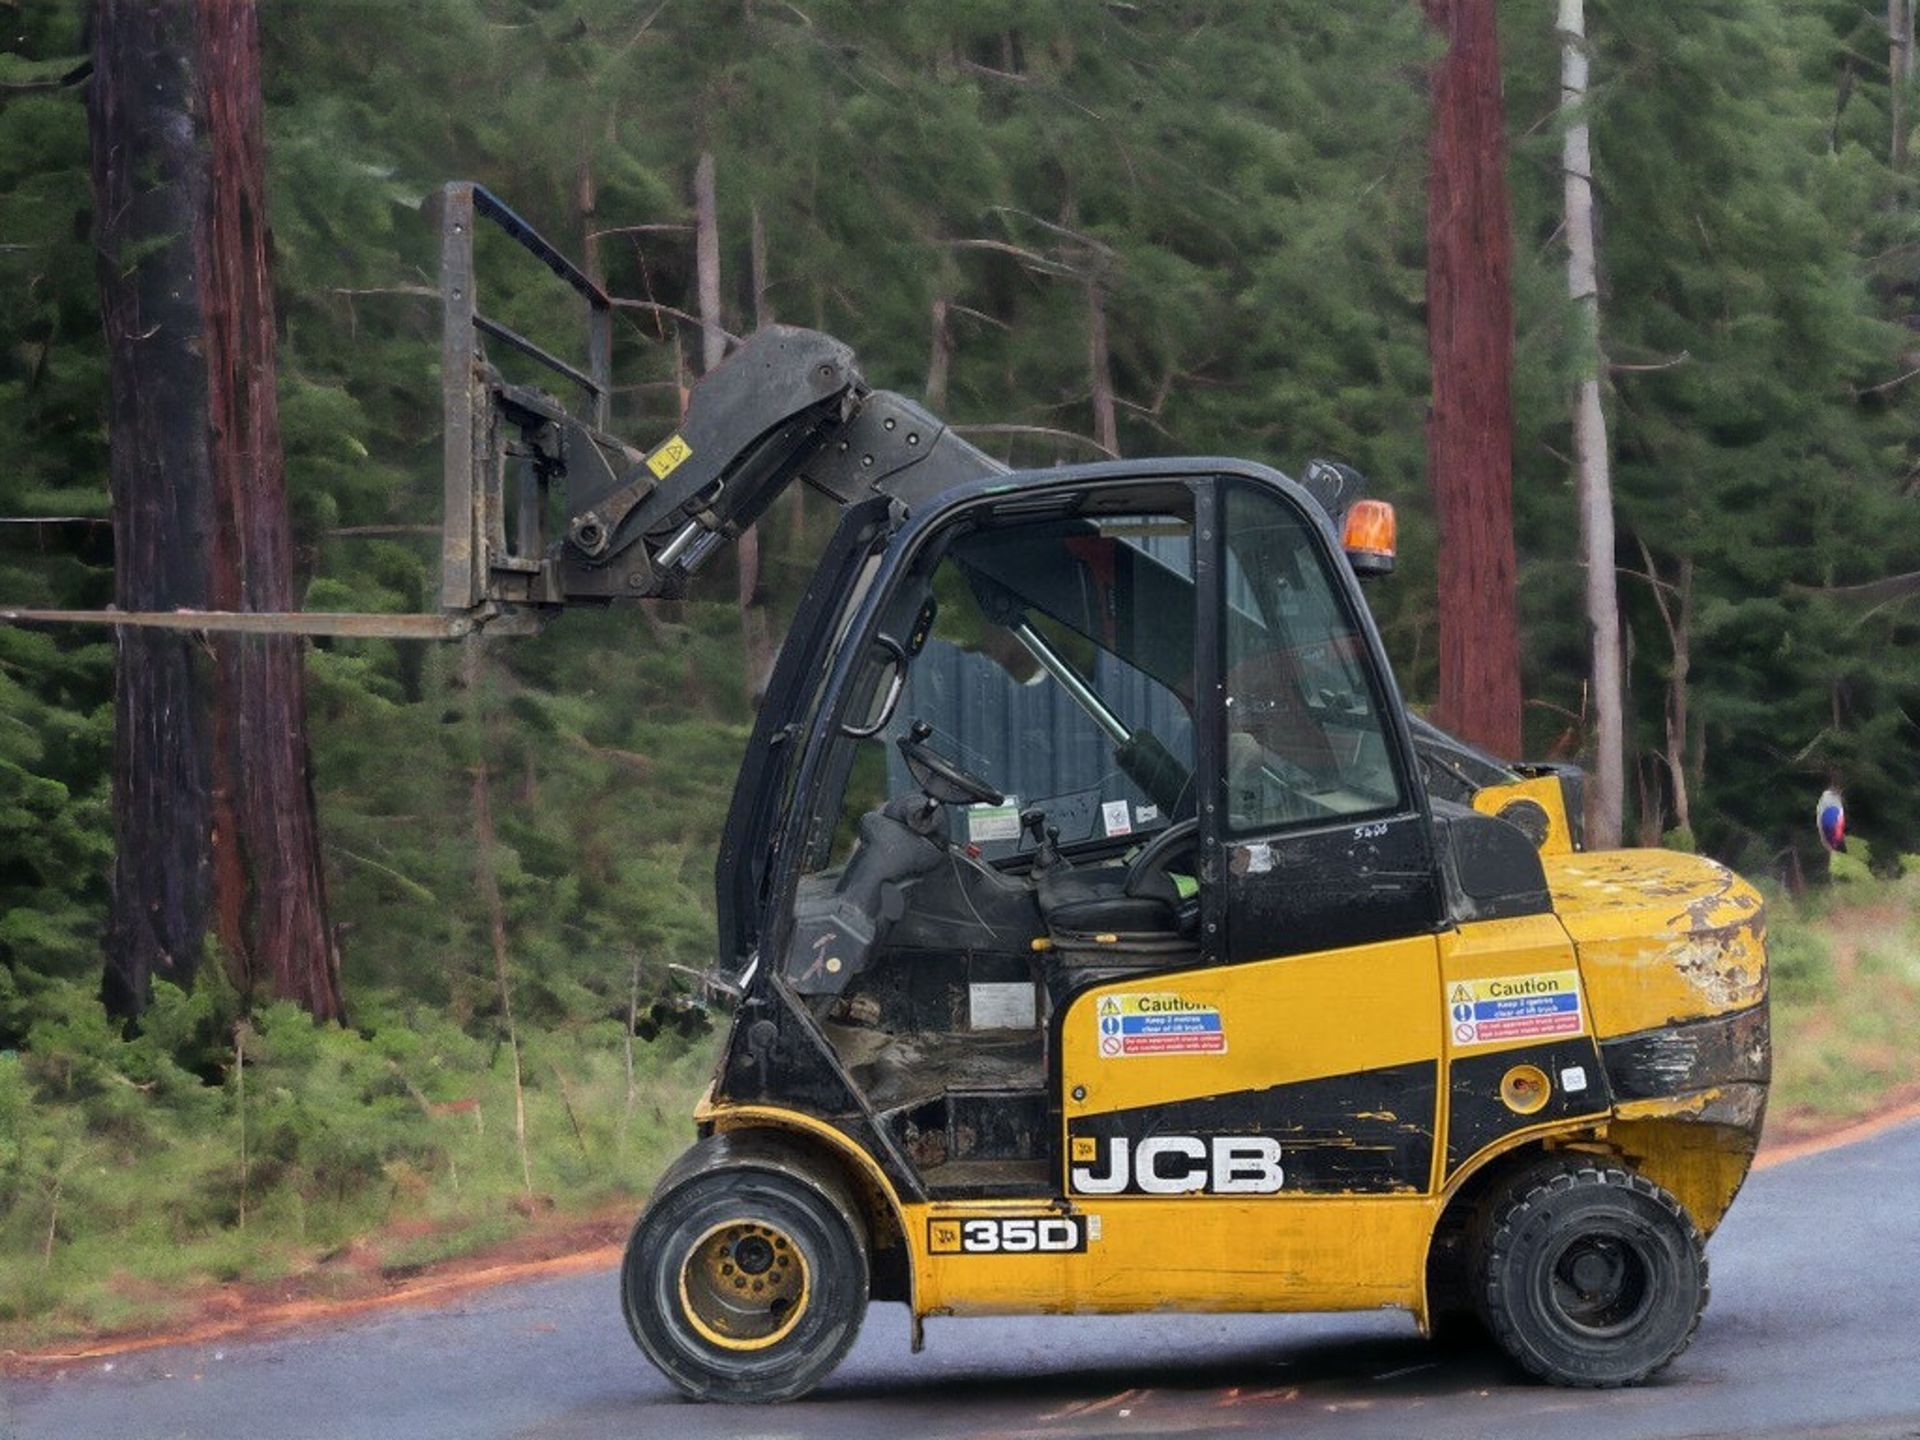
(1663,938)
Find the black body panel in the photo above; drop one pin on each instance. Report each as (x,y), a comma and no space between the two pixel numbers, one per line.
(1694,1055)
(1369,1132)
(1478,1116)
(1346,884)
(776,1055)
(1491,868)
(753,825)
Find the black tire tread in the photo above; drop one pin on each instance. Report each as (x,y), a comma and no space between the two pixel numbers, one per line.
(1501,1221)
(818,1189)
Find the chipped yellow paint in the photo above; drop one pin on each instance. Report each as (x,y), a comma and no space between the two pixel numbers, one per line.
(1702,1165)
(1546,792)
(1679,1107)
(1662,937)
(1310,1253)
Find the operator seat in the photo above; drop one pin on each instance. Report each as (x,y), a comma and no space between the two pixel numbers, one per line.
(1100,900)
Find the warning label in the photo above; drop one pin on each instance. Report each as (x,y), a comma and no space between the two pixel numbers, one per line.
(1514,1007)
(669,457)
(1159,1024)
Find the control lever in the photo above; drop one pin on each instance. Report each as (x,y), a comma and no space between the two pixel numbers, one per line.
(1046,840)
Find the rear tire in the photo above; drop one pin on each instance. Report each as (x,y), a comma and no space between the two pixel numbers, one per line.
(1591,1275)
(744,1284)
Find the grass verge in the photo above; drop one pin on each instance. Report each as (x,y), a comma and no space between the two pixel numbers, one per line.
(324,1164)
(1845,965)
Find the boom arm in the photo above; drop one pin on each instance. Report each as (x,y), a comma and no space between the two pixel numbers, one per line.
(788,404)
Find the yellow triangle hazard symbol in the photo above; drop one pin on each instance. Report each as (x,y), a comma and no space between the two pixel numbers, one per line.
(1109,1006)
(1462,995)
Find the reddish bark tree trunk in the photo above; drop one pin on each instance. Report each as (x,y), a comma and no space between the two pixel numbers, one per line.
(1470,340)
(269,884)
(140,109)
(213,780)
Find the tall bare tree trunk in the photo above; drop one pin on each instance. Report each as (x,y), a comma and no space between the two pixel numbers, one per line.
(213,779)
(1470,340)
(1607,799)
(147,175)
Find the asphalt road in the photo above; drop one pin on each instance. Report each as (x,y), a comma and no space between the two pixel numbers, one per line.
(1812,1330)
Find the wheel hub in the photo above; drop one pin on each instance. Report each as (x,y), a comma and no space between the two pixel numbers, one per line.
(753,1254)
(743,1285)
(1600,1284)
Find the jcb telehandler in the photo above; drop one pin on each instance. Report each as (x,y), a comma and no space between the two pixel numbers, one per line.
(1101,932)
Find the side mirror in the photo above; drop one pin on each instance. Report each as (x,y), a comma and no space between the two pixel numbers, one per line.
(885,678)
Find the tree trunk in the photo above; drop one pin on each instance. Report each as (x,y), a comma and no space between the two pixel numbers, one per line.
(1899,76)
(706,260)
(939,358)
(1470,340)
(147,178)
(1100,370)
(1607,799)
(1677,617)
(1679,731)
(199,491)
(486,881)
(269,883)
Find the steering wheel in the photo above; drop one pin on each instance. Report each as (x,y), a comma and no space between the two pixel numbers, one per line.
(938,776)
(1158,852)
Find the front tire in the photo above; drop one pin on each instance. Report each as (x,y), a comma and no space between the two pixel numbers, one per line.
(1591,1275)
(745,1284)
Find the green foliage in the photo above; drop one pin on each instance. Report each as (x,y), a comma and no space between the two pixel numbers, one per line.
(1800,962)
(131,1167)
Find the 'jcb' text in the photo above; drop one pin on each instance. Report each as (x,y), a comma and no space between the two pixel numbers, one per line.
(1178,1165)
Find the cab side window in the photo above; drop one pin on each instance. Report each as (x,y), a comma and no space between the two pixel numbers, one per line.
(1306,740)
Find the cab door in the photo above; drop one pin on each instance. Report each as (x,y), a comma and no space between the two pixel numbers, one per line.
(1269,1114)
(1317,830)
(1321,885)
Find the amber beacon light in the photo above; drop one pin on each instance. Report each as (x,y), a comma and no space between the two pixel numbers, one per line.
(1369,537)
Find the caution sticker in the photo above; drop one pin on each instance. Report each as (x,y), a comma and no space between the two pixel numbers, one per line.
(667,459)
(1158,1024)
(1514,1007)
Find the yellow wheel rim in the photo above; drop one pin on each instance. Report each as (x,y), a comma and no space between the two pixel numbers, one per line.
(743,1285)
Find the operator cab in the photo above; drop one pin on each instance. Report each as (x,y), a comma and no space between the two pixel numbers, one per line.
(1006,810)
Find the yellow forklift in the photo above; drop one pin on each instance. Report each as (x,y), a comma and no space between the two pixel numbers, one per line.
(1101,932)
